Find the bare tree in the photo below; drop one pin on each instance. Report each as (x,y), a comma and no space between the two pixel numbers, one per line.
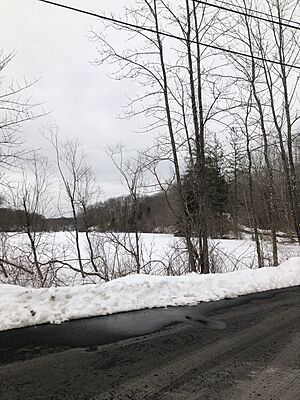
(281,83)
(133,173)
(235,157)
(72,170)
(16,108)
(249,74)
(248,132)
(87,194)
(31,198)
(181,96)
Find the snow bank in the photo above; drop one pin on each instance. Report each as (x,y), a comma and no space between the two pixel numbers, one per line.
(20,307)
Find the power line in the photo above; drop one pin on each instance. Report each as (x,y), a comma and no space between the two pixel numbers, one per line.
(258,12)
(166,34)
(247,14)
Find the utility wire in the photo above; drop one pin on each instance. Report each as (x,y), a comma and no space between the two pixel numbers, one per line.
(257,12)
(166,34)
(247,14)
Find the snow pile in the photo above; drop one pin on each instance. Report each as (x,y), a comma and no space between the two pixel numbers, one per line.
(22,307)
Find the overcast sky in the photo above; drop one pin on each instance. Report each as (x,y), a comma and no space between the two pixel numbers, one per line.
(52,44)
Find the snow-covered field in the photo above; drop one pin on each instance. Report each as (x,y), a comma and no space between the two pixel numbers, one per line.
(163,281)
(22,307)
(161,254)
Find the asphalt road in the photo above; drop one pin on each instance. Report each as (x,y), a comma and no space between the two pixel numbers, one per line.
(241,349)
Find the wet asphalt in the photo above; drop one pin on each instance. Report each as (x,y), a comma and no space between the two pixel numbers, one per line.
(154,353)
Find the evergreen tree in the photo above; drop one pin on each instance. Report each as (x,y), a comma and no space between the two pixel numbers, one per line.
(216,192)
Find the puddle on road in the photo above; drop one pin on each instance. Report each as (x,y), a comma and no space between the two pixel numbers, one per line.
(96,331)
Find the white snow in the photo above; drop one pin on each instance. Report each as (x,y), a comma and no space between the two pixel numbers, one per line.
(159,252)
(20,307)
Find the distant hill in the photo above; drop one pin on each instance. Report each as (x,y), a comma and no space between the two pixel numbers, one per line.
(14,220)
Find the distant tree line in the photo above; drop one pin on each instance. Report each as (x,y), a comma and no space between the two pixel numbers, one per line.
(228,211)
(14,221)
(229,202)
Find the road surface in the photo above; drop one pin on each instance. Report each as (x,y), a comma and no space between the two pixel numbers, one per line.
(256,356)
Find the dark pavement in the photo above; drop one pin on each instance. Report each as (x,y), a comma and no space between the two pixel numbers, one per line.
(245,348)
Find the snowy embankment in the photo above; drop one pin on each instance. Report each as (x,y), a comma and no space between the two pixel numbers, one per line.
(20,307)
